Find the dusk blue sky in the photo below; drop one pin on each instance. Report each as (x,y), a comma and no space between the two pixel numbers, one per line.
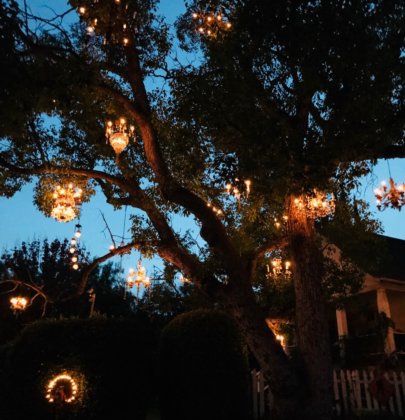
(21,221)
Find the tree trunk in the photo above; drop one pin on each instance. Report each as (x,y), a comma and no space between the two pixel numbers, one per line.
(274,364)
(311,317)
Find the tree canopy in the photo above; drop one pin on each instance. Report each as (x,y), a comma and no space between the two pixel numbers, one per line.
(284,99)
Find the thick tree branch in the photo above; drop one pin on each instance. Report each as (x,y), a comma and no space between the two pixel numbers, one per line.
(91,267)
(29,285)
(212,230)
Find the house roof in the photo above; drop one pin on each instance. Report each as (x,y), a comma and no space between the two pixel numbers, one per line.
(392,264)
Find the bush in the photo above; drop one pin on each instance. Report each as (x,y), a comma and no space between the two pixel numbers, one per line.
(203,369)
(111,359)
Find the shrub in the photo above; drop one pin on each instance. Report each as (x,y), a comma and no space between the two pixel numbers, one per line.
(203,369)
(112,359)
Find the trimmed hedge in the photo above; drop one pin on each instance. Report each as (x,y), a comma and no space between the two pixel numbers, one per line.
(203,369)
(112,359)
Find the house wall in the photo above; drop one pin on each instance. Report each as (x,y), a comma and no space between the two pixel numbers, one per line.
(397,305)
(361,312)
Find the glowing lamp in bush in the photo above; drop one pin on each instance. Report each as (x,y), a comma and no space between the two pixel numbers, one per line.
(62,389)
(18,303)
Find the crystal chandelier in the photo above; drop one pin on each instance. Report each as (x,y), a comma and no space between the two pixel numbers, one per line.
(118,134)
(393,197)
(210,23)
(66,201)
(279,268)
(315,206)
(138,278)
(18,303)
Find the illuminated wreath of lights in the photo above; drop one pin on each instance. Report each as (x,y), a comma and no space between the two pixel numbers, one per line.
(210,23)
(315,206)
(62,388)
(393,197)
(118,134)
(18,303)
(66,202)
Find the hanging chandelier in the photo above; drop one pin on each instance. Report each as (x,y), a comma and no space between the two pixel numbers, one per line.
(138,278)
(393,197)
(238,189)
(113,29)
(18,303)
(316,205)
(66,202)
(210,23)
(118,134)
(279,268)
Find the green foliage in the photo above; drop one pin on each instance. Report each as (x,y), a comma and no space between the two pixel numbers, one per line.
(114,357)
(203,368)
(46,187)
(276,296)
(354,230)
(47,265)
(165,301)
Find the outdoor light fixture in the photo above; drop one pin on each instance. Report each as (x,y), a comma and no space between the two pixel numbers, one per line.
(210,23)
(18,303)
(138,278)
(216,210)
(277,222)
(239,189)
(315,206)
(62,389)
(184,280)
(78,232)
(393,197)
(279,268)
(73,247)
(66,202)
(118,134)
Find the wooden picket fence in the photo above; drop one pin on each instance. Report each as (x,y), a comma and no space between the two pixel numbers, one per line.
(351,391)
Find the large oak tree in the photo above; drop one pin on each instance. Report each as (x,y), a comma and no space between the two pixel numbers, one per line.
(296,96)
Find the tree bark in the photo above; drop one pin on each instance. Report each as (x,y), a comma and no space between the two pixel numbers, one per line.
(311,317)
(274,363)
